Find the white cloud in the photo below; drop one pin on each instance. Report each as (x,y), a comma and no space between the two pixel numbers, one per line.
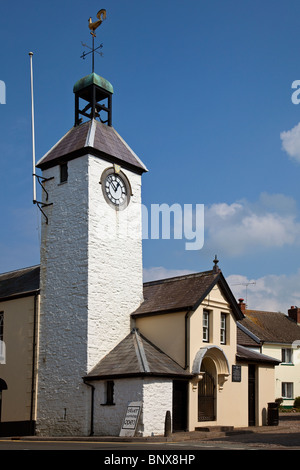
(241,227)
(291,142)
(274,293)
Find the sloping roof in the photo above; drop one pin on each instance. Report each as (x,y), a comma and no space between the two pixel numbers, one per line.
(19,282)
(183,293)
(245,337)
(273,327)
(136,356)
(94,138)
(247,355)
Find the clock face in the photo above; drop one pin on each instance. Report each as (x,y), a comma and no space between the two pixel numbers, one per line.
(116,189)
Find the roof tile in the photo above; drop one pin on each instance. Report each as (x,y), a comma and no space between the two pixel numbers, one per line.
(19,282)
(177,293)
(271,326)
(135,355)
(105,142)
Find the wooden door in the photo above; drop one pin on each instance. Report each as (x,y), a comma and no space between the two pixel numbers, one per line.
(206,398)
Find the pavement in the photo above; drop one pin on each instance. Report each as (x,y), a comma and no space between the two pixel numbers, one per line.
(284,436)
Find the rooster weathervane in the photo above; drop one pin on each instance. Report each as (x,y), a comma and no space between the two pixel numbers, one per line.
(101,15)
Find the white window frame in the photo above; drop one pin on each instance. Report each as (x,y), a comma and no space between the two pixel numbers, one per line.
(223,324)
(287,356)
(287,389)
(1,325)
(205,326)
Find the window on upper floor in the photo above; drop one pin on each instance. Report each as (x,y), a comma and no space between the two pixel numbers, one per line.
(205,323)
(223,326)
(2,344)
(63,172)
(287,356)
(287,390)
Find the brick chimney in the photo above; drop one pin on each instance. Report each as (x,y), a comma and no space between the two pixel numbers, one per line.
(242,305)
(294,314)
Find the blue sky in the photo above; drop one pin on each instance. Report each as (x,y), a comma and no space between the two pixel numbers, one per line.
(202,93)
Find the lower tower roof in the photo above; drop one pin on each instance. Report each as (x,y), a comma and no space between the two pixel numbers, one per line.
(93,138)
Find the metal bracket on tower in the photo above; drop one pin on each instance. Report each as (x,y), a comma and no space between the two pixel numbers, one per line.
(40,204)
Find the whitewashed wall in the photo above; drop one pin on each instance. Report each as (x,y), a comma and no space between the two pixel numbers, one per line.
(155,394)
(157,401)
(91,280)
(115,270)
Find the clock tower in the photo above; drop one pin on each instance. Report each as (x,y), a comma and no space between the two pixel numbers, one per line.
(91,256)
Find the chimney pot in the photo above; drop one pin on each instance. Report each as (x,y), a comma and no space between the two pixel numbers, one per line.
(294,314)
(242,305)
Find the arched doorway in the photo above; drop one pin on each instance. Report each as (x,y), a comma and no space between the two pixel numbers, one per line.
(211,370)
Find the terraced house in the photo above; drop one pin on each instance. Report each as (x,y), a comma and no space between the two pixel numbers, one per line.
(277,335)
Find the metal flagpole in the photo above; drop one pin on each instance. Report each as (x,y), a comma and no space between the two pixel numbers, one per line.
(32,125)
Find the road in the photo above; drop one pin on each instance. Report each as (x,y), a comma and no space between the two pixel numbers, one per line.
(175,448)
(286,436)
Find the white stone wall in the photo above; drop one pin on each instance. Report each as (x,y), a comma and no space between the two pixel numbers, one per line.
(158,395)
(108,419)
(91,280)
(61,406)
(115,264)
(155,394)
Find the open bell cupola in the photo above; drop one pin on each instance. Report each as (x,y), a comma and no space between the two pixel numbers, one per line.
(93,99)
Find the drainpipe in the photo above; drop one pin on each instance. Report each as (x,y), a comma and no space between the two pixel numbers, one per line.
(33,373)
(186,365)
(92,406)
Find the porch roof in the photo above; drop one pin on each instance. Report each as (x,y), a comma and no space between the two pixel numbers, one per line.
(135,356)
(247,355)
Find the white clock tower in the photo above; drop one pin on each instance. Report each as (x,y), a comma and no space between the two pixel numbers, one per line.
(91,256)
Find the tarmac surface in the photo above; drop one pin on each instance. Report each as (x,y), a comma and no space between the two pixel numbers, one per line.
(284,436)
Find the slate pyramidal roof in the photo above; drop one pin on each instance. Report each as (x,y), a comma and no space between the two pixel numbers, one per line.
(136,356)
(95,138)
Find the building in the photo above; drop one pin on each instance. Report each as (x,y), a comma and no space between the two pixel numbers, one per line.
(84,336)
(19,316)
(277,335)
(186,360)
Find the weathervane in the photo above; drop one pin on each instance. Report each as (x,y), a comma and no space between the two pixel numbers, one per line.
(101,15)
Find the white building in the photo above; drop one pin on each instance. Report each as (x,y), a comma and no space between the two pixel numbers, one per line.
(277,335)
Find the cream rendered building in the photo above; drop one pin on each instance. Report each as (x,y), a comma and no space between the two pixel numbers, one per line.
(277,335)
(182,356)
(19,316)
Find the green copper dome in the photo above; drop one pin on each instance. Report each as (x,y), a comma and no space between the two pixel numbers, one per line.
(93,79)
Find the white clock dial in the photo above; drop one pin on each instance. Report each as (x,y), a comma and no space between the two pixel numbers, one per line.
(116,188)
